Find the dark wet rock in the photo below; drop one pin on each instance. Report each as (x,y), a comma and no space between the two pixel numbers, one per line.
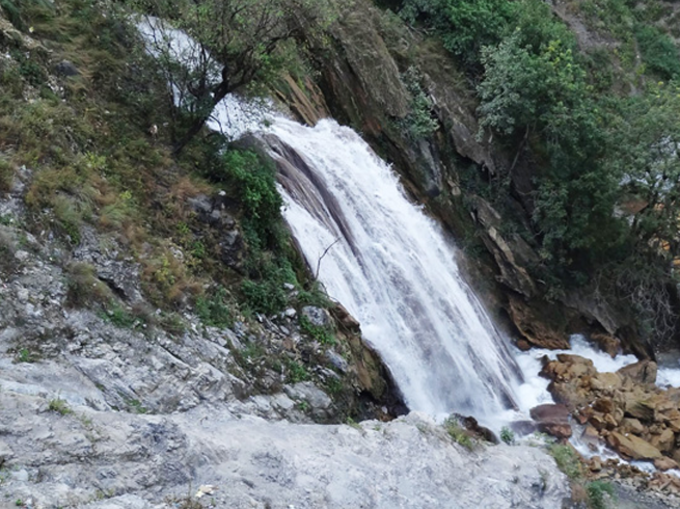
(552,419)
(66,68)
(471,424)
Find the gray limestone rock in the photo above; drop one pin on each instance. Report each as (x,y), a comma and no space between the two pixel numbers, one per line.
(142,461)
(316,316)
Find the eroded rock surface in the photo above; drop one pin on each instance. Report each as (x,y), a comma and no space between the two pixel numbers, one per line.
(117,460)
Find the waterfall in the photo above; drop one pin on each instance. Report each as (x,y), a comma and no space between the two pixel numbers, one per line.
(393,268)
(378,254)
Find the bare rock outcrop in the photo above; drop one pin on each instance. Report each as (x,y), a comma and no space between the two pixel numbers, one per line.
(231,460)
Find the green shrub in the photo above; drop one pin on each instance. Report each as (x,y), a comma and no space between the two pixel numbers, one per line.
(315,296)
(213,309)
(419,123)
(598,492)
(29,68)
(60,406)
(20,12)
(458,434)
(464,26)
(567,460)
(267,296)
(254,180)
(118,316)
(26,355)
(297,372)
(659,52)
(13,12)
(172,323)
(323,335)
(507,435)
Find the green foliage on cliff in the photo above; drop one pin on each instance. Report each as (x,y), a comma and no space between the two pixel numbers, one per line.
(604,162)
(466,26)
(419,122)
(659,52)
(239,45)
(108,167)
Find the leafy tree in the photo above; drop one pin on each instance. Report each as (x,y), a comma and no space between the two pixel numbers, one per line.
(464,25)
(645,148)
(234,44)
(535,86)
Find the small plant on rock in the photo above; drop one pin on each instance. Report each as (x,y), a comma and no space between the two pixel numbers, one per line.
(598,493)
(24,355)
(320,333)
(507,435)
(84,287)
(297,372)
(213,309)
(459,435)
(567,460)
(60,406)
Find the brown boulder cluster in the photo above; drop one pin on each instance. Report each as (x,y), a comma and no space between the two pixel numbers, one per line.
(626,409)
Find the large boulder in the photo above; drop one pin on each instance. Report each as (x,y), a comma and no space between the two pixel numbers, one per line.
(643,372)
(571,376)
(665,463)
(633,447)
(534,327)
(638,406)
(606,382)
(552,419)
(664,441)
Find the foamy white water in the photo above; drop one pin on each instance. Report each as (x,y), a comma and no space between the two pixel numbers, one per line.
(534,391)
(391,266)
(668,376)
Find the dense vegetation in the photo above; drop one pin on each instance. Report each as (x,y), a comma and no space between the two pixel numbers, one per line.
(601,130)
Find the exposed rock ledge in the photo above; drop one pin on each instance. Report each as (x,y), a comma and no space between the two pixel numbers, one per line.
(117,460)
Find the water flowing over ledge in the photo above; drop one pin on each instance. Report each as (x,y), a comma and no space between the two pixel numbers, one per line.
(394,270)
(385,260)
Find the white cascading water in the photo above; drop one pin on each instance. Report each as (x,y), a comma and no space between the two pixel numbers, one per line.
(393,269)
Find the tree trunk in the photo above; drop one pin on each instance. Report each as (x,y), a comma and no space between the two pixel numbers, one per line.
(220,93)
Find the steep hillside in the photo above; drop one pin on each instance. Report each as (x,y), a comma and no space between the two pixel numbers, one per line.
(102,230)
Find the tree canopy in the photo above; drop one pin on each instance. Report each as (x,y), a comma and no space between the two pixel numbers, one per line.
(234,44)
